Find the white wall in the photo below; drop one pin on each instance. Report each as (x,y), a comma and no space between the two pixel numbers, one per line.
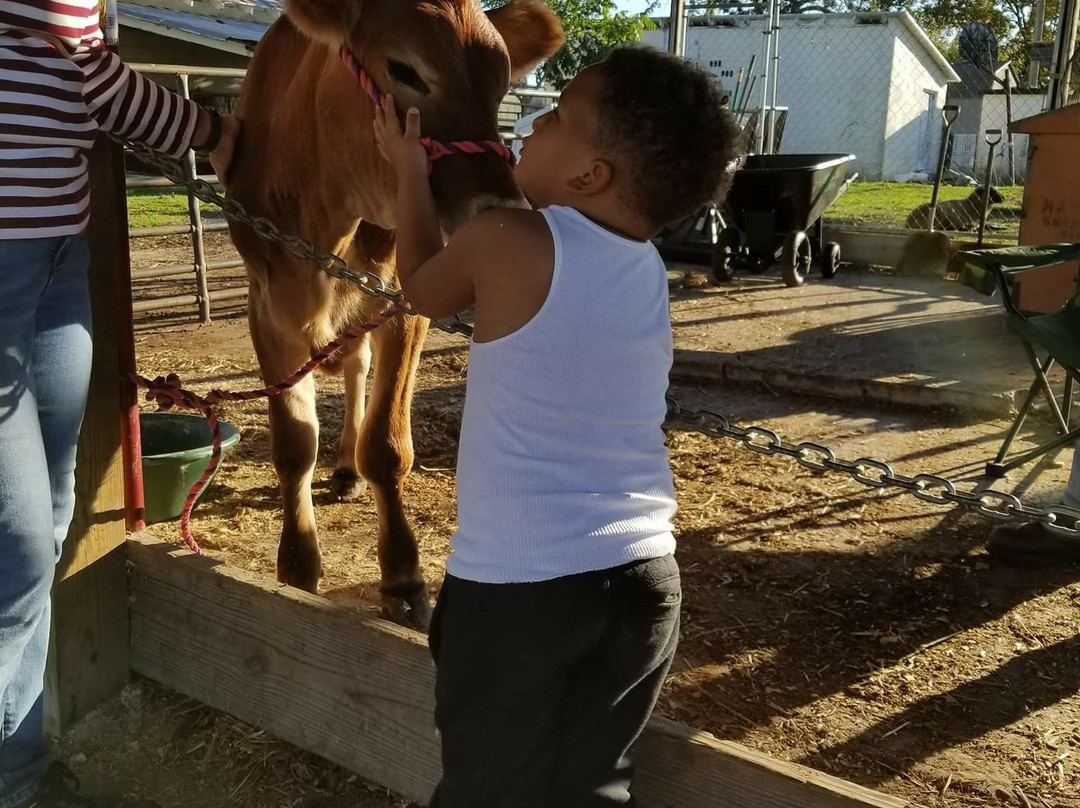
(835,79)
(913,113)
(968,119)
(993,116)
(655,38)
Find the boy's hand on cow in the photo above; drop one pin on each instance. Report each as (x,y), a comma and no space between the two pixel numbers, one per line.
(402,150)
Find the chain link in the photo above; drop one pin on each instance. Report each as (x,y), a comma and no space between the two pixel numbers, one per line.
(333,265)
(931,488)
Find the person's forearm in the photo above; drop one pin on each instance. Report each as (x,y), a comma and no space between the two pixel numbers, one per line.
(132,106)
(119,100)
(419,236)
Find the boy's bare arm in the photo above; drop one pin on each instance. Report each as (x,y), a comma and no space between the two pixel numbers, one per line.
(436,282)
(501,258)
(487,260)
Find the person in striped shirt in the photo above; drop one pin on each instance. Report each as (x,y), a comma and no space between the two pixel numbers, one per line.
(59,85)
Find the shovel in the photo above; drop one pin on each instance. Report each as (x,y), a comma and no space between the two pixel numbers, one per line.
(928,253)
(956,260)
(993,138)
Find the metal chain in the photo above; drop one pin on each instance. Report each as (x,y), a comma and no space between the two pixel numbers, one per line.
(932,488)
(333,265)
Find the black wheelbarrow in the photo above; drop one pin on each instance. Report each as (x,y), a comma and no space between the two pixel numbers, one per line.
(773,215)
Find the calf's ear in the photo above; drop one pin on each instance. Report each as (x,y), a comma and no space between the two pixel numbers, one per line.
(531,32)
(326,21)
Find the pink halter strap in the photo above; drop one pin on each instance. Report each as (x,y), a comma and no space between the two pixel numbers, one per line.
(434,148)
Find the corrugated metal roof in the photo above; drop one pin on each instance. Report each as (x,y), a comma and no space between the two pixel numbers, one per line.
(220,29)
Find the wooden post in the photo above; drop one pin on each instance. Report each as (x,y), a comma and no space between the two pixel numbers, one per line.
(89,646)
(195,216)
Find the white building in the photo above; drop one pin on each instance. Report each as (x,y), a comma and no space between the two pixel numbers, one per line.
(980,94)
(872,85)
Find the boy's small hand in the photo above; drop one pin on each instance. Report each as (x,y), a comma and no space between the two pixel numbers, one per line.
(402,150)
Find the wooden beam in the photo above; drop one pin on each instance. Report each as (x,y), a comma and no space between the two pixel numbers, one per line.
(880,246)
(680,767)
(360,691)
(89,643)
(718,368)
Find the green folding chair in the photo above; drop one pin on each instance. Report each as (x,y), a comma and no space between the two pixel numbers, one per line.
(1056,336)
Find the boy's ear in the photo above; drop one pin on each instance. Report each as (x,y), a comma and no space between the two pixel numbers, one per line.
(592,181)
(531,33)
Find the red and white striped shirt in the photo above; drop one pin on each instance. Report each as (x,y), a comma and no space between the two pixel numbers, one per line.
(58,84)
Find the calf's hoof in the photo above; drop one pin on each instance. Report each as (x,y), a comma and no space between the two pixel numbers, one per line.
(407,605)
(300,569)
(347,486)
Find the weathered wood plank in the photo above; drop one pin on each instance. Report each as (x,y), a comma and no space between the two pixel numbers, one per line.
(359,691)
(354,690)
(89,644)
(680,767)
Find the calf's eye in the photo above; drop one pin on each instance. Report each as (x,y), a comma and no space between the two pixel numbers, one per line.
(406,75)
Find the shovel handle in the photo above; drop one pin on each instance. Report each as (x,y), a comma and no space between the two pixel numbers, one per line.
(949,113)
(992,138)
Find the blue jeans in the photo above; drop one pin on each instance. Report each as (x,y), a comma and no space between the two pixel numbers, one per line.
(45,351)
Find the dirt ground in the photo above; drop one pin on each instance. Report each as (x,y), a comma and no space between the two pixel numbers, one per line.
(152,744)
(864,634)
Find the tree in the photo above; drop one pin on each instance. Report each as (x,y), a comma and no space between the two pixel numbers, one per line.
(1011,21)
(593,27)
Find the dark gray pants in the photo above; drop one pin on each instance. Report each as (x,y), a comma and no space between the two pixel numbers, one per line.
(542,687)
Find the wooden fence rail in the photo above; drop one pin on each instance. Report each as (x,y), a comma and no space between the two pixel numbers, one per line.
(360,691)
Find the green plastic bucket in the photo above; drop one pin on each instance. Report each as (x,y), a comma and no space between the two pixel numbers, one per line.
(176,449)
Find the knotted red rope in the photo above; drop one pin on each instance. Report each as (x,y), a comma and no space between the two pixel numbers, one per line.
(168,392)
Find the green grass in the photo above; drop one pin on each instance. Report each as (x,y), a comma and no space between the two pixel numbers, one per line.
(887,204)
(152,207)
(882,204)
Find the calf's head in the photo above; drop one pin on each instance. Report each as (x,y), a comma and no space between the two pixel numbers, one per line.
(981,192)
(453,62)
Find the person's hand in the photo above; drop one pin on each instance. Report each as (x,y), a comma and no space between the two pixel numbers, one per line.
(221,157)
(402,150)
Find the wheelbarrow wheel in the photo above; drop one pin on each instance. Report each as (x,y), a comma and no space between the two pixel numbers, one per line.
(724,255)
(830,260)
(796,258)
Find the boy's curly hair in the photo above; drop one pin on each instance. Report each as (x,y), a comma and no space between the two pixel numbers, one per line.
(665,124)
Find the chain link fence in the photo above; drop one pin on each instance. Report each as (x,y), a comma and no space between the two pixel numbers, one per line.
(875,85)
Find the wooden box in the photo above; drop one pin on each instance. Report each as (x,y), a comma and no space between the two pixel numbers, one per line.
(1051,212)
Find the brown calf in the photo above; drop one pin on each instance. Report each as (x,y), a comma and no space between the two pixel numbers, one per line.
(956,214)
(308,162)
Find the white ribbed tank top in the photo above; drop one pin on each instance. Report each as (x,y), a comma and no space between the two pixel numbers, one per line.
(562,466)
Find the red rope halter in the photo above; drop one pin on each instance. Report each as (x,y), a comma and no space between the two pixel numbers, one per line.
(434,148)
(168,392)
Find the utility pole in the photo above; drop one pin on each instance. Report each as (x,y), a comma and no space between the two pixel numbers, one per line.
(677,28)
(1064,49)
(1038,27)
